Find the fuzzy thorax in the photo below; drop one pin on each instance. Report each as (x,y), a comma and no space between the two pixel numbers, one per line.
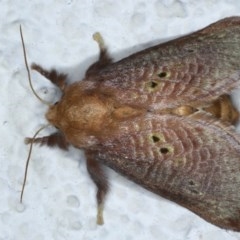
(79,117)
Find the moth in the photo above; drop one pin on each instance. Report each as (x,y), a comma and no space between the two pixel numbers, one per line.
(163,118)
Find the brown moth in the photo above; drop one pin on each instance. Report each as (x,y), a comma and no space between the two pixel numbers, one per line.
(163,118)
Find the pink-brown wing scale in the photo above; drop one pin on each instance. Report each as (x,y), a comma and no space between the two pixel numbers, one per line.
(193,161)
(195,68)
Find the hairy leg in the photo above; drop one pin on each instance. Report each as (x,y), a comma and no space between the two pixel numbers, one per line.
(55,139)
(99,177)
(104,58)
(59,79)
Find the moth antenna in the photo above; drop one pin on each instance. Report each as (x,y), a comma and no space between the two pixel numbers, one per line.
(28,71)
(28,159)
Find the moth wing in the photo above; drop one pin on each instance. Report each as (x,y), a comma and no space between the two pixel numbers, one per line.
(195,68)
(193,161)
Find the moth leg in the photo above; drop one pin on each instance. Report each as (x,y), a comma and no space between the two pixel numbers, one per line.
(59,79)
(99,177)
(104,58)
(55,139)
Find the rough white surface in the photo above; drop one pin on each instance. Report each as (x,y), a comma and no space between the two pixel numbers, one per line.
(59,202)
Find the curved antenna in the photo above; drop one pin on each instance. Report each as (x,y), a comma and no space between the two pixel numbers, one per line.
(28,71)
(28,159)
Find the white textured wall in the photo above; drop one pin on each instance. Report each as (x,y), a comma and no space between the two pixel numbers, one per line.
(59,201)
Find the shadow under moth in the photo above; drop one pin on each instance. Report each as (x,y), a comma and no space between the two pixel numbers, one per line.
(162,117)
